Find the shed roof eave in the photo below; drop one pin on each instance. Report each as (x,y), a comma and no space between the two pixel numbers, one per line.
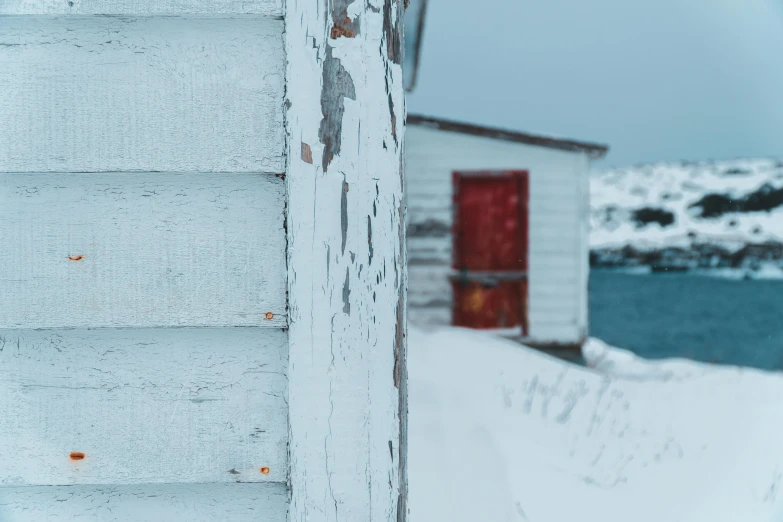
(593,150)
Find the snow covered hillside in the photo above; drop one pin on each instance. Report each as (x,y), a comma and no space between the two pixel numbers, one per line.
(502,433)
(706,213)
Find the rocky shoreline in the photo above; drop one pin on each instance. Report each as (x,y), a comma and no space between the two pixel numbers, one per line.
(749,257)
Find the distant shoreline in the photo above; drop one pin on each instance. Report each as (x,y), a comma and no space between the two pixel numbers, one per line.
(766,272)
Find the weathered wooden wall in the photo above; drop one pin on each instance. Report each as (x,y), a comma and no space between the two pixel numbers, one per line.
(202,224)
(143,350)
(558,251)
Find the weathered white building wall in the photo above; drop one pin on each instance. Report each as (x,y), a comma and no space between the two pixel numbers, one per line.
(558,250)
(203,237)
(142,199)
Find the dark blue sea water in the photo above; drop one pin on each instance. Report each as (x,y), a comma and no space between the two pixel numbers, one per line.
(680,315)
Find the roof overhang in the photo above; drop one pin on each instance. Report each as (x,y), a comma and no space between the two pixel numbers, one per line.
(593,150)
(415,11)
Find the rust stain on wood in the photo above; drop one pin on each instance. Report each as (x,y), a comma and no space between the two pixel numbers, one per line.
(342,24)
(307,153)
(77,455)
(76,258)
(343,28)
(269,315)
(264,470)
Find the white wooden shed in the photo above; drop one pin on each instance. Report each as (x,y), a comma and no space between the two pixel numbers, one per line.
(203,261)
(498,230)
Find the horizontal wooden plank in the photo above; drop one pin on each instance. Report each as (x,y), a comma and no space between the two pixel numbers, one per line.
(432,171)
(561,249)
(542,220)
(545,196)
(426,316)
(555,266)
(565,308)
(143,406)
(430,300)
(100,94)
(546,260)
(146,503)
(141,250)
(429,272)
(428,260)
(143,7)
(421,215)
(427,245)
(541,233)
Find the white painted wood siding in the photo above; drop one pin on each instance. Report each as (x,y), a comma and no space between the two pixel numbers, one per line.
(145,406)
(147,7)
(558,255)
(85,94)
(142,217)
(150,503)
(141,249)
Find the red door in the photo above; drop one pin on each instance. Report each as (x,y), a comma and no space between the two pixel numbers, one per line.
(489,280)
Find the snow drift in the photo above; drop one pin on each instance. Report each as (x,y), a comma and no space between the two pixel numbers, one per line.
(709,214)
(661,204)
(499,432)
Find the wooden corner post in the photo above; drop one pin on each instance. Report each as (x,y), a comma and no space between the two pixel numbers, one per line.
(346,260)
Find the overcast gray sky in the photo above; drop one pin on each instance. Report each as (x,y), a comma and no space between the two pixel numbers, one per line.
(656,80)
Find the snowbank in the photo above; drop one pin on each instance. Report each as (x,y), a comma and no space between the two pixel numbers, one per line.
(671,190)
(499,432)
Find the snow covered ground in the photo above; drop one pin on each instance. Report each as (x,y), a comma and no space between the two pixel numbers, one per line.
(676,189)
(499,432)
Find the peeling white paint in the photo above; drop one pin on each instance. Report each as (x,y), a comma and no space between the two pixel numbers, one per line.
(345,288)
